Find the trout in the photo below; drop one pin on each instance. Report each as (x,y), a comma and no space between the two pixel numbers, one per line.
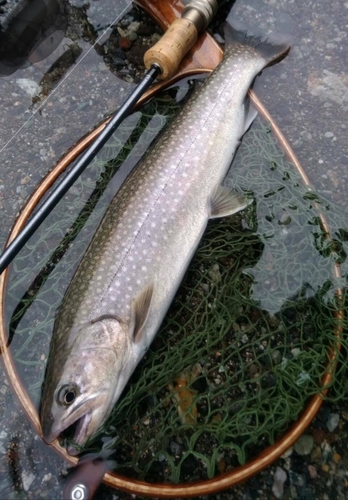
(138,256)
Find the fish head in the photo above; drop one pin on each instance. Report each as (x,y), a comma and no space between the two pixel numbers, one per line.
(83,393)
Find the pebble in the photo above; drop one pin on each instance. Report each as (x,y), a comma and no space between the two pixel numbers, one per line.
(296,352)
(304,444)
(244,338)
(328,134)
(297,479)
(279,479)
(312,471)
(29,86)
(124,42)
(327,450)
(288,452)
(318,436)
(25,180)
(325,467)
(215,274)
(47,477)
(276,356)
(221,463)
(174,448)
(333,421)
(27,479)
(156,37)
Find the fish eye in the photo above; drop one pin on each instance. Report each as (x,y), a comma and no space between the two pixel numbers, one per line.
(67,395)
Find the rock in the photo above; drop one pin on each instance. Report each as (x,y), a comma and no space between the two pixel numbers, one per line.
(329,86)
(304,444)
(333,421)
(279,479)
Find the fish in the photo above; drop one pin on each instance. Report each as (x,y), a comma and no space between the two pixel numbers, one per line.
(141,250)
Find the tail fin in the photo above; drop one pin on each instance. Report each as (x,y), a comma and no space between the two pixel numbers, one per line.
(272,49)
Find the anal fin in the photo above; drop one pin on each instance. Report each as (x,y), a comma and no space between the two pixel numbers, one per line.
(225,202)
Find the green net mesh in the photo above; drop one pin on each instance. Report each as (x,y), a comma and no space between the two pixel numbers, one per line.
(246,341)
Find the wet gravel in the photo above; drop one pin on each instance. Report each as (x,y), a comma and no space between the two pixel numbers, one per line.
(307,95)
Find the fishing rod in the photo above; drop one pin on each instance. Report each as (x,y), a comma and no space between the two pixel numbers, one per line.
(161,61)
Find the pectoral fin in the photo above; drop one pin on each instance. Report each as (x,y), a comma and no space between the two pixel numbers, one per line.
(224,202)
(139,312)
(250,113)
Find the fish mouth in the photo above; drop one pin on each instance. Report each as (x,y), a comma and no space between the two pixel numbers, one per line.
(80,433)
(76,429)
(78,425)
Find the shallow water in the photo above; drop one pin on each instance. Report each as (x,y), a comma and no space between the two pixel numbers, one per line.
(306,94)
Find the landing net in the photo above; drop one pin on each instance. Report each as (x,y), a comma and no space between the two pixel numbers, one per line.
(246,341)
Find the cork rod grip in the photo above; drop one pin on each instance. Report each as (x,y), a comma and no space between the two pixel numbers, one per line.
(170,50)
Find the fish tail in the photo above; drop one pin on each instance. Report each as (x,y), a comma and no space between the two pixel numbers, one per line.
(272,49)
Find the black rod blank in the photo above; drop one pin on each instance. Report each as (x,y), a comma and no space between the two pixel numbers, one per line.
(57,194)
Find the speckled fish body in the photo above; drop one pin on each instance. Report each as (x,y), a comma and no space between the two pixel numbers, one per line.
(138,256)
